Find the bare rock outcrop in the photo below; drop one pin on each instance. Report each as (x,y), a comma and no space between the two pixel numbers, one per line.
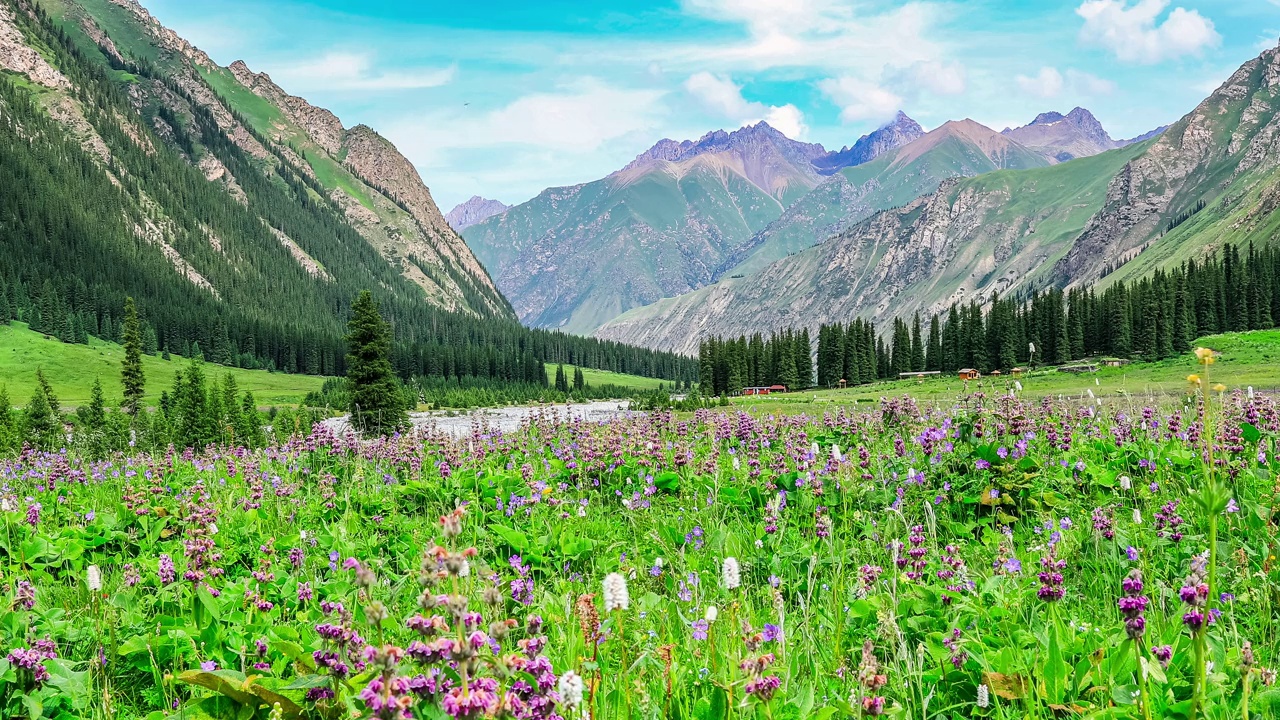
(16,55)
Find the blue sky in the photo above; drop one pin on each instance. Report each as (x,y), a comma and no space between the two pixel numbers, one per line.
(505,98)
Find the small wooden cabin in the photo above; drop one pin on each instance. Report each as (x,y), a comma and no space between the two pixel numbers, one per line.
(969,374)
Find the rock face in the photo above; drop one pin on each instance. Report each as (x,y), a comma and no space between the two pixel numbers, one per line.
(474,210)
(1063,137)
(17,57)
(324,128)
(901,131)
(1227,149)
(574,257)
(1210,178)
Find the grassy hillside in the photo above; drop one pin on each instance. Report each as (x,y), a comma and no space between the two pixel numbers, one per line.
(604,377)
(71,370)
(1249,359)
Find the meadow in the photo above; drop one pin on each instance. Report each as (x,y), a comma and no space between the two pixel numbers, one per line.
(988,556)
(72,370)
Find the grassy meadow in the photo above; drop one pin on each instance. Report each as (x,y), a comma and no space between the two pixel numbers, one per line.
(71,370)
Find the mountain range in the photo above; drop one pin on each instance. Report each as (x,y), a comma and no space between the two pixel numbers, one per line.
(685,214)
(1212,177)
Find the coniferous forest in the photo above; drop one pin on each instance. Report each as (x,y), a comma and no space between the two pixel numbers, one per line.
(81,235)
(1151,318)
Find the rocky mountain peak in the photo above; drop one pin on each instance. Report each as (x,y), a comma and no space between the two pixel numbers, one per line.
(1046,118)
(901,131)
(747,140)
(323,126)
(476,209)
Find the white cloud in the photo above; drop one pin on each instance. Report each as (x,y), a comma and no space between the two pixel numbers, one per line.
(578,118)
(1086,84)
(1135,34)
(1047,83)
(788,120)
(719,94)
(826,34)
(932,76)
(355,71)
(861,100)
(723,97)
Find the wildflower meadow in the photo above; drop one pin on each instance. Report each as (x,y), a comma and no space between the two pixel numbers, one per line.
(988,557)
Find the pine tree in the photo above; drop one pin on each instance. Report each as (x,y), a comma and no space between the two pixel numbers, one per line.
(933,349)
(249,431)
(41,419)
(377,405)
(917,345)
(579,380)
(93,416)
(804,359)
(131,375)
(562,381)
(10,435)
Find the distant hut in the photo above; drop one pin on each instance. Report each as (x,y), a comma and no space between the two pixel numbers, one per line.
(969,374)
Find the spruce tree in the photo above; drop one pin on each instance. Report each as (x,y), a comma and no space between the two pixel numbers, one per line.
(249,429)
(41,419)
(131,375)
(93,416)
(579,380)
(804,359)
(10,439)
(377,405)
(917,345)
(562,381)
(933,349)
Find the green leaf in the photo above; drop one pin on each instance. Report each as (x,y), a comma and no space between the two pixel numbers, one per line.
(1055,668)
(74,685)
(223,682)
(35,708)
(667,481)
(516,539)
(1250,432)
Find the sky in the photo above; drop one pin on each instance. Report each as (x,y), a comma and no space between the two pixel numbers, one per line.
(504,98)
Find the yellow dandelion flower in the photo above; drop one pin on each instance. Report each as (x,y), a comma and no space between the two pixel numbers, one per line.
(1219,387)
(1193,379)
(1205,356)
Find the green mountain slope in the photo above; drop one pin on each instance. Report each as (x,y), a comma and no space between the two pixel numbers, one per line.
(378,190)
(574,257)
(955,149)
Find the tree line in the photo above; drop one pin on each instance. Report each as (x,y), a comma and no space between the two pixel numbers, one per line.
(1150,318)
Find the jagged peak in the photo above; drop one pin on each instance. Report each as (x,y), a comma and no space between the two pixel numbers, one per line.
(725,140)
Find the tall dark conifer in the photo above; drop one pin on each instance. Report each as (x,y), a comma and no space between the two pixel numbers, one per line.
(132,377)
(377,406)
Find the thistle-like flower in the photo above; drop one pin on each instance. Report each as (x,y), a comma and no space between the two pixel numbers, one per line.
(615,593)
(571,688)
(731,573)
